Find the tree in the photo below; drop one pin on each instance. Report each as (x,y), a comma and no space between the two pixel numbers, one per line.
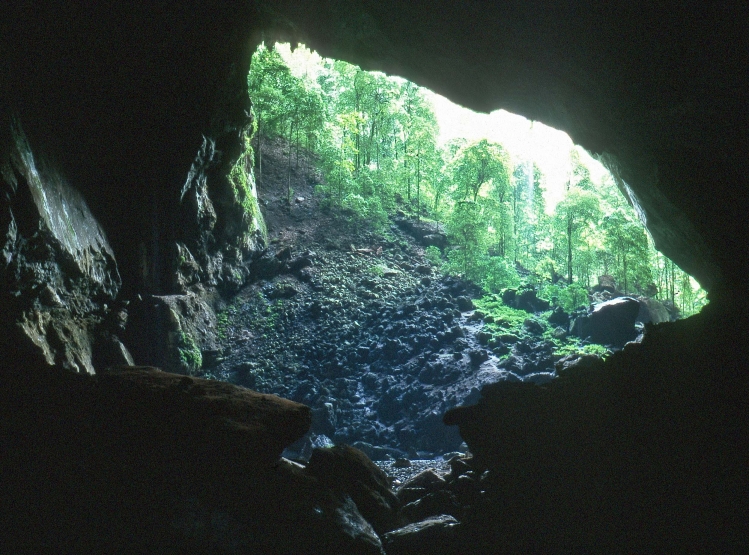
(273,91)
(626,241)
(468,230)
(578,210)
(478,164)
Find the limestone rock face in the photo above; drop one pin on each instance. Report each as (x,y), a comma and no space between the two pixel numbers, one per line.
(220,224)
(58,269)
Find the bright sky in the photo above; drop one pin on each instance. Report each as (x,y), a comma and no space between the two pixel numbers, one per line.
(549,148)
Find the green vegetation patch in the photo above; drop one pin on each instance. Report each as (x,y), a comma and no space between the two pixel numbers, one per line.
(190,358)
(572,345)
(242,185)
(506,319)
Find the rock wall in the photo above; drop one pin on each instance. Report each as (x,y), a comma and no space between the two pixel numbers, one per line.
(59,274)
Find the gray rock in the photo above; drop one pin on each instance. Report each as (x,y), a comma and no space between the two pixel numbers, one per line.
(652,311)
(533,326)
(478,356)
(432,536)
(464,303)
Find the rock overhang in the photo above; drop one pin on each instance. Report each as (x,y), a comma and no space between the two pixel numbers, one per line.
(657,93)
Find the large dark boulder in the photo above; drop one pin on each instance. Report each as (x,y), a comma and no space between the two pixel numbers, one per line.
(142,461)
(428,233)
(525,299)
(348,470)
(628,454)
(613,322)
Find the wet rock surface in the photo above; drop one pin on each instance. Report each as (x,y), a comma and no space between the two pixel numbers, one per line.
(59,275)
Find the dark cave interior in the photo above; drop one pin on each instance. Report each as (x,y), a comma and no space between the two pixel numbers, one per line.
(119,98)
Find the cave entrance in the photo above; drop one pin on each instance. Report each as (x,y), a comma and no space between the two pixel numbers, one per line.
(418,251)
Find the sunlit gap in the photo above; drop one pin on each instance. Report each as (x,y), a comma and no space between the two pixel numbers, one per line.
(552,152)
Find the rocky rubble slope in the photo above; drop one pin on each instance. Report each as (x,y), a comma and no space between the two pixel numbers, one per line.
(363,327)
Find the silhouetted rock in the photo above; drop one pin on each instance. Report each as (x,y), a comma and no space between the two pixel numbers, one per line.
(348,470)
(612,322)
(606,283)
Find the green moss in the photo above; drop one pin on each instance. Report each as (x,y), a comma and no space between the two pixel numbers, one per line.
(506,319)
(572,346)
(377,270)
(434,255)
(190,358)
(241,178)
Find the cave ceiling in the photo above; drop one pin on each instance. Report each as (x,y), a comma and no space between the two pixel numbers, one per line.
(120,95)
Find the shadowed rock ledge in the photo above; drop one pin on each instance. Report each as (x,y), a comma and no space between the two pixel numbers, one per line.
(139,460)
(645,451)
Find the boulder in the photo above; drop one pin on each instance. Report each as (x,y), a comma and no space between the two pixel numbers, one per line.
(436,535)
(606,283)
(579,362)
(464,303)
(652,311)
(559,317)
(436,503)
(525,299)
(613,322)
(426,481)
(438,240)
(426,232)
(478,356)
(533,326)
(349,471)
(135,459)
(203,416)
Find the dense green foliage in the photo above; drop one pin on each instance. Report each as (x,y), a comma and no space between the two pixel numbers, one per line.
(376,139)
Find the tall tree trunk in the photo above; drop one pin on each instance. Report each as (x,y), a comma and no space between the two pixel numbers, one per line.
(288,169)
(569,250)
(260,150)
(418,185)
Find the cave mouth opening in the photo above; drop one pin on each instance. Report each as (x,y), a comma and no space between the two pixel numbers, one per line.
(352,167)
